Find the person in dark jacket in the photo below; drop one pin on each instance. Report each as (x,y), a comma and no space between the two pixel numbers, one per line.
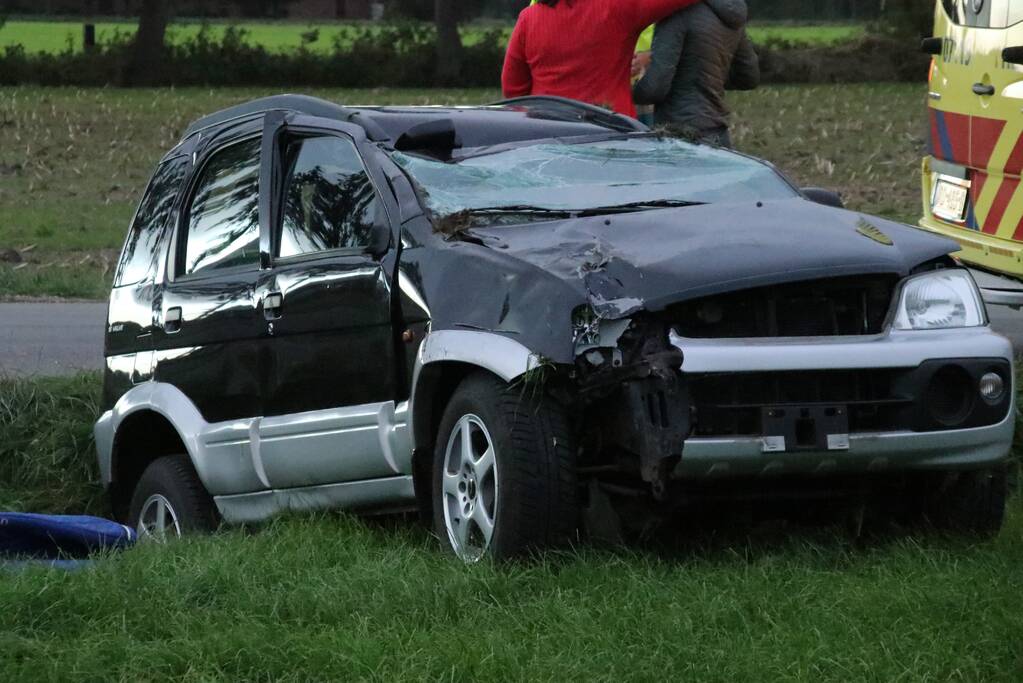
(698,53)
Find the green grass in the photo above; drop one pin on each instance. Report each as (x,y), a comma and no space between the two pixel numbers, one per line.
(333,598)
(57,36)
(73,162)
(826,34)
(47,461)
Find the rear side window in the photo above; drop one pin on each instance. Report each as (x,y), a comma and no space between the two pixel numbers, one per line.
(143,248)
(223,221)
(329,201)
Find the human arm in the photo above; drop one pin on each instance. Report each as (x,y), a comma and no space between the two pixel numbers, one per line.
(641,13)
(640,63)
(516,77)
(745,71)
(669,40)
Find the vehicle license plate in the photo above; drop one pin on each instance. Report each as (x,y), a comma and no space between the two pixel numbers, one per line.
(949,200)
(805,428)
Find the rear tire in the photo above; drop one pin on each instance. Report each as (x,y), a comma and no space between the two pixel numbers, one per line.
(170,501)
(504,481)
(971,503)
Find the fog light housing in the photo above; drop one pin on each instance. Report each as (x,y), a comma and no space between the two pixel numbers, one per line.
(950,396)
(991,387)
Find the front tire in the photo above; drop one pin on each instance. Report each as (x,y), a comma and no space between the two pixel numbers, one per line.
(170,501)
(971,503)
(504,481)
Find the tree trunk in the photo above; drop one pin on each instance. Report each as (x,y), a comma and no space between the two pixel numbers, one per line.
(146,65)
(449,42)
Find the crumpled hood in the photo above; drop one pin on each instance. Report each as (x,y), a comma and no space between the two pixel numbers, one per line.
(627,262)
(733,13)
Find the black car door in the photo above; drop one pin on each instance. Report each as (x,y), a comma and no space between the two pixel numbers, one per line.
(210,338)
(331,386)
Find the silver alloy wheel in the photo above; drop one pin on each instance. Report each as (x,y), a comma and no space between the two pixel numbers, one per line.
(470,488)
(158,520)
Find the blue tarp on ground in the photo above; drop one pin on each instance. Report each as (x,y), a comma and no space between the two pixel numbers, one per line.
(47,537)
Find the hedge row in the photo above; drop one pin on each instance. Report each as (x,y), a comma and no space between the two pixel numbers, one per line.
(403,56)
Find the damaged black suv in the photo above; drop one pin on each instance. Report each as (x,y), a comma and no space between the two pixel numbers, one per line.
(515,317)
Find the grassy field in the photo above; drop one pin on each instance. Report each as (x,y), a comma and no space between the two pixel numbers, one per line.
(335,598)
(74,162)
(58,36)
(46,446)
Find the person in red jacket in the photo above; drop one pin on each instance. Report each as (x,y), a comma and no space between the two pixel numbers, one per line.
(580,49)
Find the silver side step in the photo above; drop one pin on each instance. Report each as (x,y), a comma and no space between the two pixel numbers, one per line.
(999,290)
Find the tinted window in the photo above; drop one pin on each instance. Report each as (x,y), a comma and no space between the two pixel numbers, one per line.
(986,14)
(329,202)
(223,226)
(142,250)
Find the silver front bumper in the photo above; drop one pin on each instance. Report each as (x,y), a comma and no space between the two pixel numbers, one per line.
(866,452)
(887,451)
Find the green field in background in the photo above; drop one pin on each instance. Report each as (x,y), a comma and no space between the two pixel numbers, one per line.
(57,36)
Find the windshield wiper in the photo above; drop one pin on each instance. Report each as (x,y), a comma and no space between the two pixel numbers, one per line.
(521,208)
(530,210)
(637,206)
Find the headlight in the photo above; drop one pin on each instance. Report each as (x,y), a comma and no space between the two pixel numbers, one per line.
(940,300)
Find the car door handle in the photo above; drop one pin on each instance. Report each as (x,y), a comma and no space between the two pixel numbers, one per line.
(273,303)
(981,89)
(172,320)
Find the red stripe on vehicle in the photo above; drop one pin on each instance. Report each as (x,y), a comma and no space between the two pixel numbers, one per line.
(984,137)
(1002,199)
(977,186)
(958,127)
(1015,163)
(950,136)
(935,135)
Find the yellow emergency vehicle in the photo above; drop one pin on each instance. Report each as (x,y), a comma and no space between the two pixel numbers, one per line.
(971,178)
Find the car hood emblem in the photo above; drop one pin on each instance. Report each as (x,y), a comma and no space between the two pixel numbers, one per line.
(873,232)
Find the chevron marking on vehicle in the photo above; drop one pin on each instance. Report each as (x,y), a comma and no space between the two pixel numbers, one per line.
(873,232)
(976,192)
(996,149)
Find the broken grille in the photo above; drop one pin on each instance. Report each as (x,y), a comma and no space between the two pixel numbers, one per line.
(831,307)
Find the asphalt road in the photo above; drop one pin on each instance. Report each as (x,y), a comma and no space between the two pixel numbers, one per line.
(51,339)
(54,339)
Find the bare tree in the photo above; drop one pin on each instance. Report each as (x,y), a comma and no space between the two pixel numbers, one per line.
(449,41)
(146,62)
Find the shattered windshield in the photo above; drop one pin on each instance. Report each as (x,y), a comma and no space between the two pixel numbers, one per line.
(634,172)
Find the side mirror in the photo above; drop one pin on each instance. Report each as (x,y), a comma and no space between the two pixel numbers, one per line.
(932,46)
(825,197)
(1013,55)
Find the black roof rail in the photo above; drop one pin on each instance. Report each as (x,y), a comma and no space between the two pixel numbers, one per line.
(302,104)
(584,111)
